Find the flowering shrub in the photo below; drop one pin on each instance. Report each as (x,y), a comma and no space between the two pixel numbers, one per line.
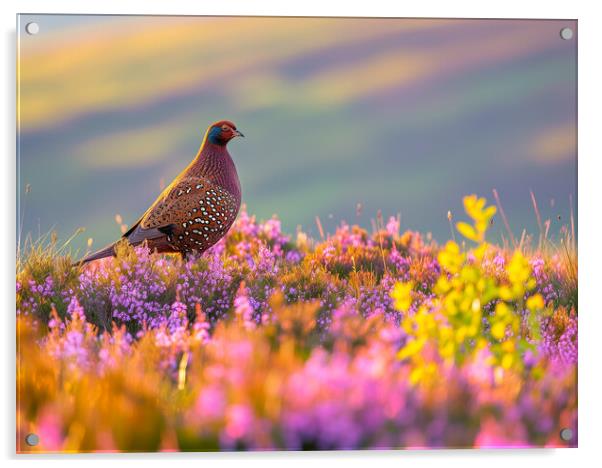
(361,340)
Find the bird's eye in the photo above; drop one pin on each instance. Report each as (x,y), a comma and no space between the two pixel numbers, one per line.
(224,128)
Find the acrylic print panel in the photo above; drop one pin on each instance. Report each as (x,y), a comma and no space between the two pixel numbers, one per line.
(387,259)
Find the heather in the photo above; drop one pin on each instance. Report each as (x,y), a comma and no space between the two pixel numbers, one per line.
(359,339)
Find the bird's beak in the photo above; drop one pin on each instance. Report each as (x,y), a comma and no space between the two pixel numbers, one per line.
(237,133)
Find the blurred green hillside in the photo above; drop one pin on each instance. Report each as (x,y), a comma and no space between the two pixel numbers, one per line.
(398,115)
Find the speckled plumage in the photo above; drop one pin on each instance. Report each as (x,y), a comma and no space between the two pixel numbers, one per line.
(198,207)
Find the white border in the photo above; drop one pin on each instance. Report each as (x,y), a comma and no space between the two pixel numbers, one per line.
(590,215)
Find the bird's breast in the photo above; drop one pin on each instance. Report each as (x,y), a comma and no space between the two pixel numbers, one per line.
(205,219)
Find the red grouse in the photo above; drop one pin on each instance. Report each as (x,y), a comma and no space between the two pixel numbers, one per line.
(197,208)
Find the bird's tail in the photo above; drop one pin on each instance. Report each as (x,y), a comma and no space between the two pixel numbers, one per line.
(108,251)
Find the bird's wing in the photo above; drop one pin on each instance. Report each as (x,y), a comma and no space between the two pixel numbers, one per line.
(186,201)
(161,204)
(194,214)
(136,230)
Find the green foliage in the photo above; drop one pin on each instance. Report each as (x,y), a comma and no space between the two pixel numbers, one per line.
(456,323)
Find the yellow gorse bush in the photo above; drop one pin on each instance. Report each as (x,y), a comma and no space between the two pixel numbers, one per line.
(455,323)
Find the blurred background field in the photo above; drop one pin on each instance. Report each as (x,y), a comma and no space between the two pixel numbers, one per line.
(398,115)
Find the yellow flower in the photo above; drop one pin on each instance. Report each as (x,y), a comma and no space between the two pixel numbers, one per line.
(508,346)
(498,330)
(507,361)
(501,310)
(505,293)
(416,375)
(442,286)
(480,251)
(402,296)
(413,347)
(424,372)
(451,258)
(535,302)
(519,270)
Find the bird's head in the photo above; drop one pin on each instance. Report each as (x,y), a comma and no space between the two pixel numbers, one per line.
(220,133)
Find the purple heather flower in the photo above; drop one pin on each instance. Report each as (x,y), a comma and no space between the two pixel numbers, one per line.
(293,256)
(393,227)
(243,308)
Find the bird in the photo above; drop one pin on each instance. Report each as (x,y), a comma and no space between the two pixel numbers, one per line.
(197,209)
